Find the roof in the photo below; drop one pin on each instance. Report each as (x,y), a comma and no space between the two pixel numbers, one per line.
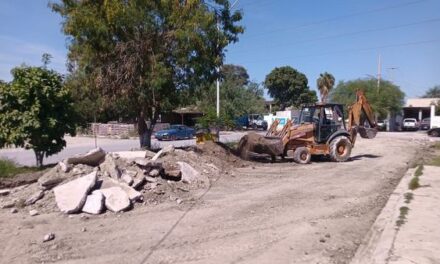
(421,102)
(188,110)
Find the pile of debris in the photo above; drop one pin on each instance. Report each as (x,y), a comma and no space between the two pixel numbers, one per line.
(98,181)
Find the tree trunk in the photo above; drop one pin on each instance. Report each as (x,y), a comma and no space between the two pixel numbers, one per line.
(144,131)
(145,139)
(39,155)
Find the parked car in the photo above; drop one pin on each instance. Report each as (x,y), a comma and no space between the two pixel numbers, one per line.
(382,125)
(254,121)
(434,132)
(175,132)
(425,124)
(410,124)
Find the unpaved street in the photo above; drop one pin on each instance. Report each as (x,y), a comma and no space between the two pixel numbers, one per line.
(264,213)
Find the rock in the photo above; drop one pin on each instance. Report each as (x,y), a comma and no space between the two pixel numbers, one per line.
(92,158)
(154,173)
(150,179)
(149,154)
(5,192)
(171,171)
(189,174)
(48,237)
(14,211)
(132,193)
(141,162)
(64,166)
(84,229)
(70,197)
(116,199)
(109,167)
(52,178)
(129,155)
(179,201)
(33,212)
(127,179)
(138,182)
(94,203)
(166,150)
(34,198)
(7,204)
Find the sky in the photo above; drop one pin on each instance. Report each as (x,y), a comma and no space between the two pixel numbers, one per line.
(342,37)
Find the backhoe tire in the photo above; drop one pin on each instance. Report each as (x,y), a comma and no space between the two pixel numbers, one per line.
(340,149)
(302,155)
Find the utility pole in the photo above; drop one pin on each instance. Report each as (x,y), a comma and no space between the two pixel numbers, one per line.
(218,68)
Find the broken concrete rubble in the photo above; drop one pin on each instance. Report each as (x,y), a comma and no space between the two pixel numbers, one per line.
(34,197)
(92,158)
(51,178)
(94,203)
(127,179)
(166,150)
(133,173)
(109,167)
(189,174)
(64,166)
(132,193)
(5,192)
(71,196)
(116,199)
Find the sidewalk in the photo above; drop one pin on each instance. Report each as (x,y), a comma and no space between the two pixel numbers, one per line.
(417,238)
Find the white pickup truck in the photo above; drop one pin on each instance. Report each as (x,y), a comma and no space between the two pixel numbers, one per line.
(410,124)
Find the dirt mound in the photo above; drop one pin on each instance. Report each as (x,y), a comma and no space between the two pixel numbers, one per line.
(220,154)
(172,174)
(252,144)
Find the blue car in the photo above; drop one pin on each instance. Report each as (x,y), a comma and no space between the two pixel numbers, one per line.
(175,132)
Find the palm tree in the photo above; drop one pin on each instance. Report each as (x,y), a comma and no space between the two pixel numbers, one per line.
(325,83)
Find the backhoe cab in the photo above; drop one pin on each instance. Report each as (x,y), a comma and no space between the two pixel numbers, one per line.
(321,130)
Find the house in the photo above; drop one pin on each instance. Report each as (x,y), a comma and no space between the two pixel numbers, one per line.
(419,108)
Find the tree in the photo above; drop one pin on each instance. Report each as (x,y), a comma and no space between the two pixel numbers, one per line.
(36,111)
(388,99)
(289,87)
(144,53)
(433,92)
(325,84)
(238,95)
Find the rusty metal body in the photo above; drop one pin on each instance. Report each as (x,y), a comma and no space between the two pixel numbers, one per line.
(322,131)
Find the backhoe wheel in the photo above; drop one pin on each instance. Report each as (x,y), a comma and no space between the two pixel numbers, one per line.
(302,155)
(340,149)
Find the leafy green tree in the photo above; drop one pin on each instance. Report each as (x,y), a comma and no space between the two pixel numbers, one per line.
(433,92)
(325,84)
(386,99)
(238,95)
(36,111)
(289,87)
(144,53)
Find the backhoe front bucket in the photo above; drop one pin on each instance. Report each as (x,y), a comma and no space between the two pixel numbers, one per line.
(367,132)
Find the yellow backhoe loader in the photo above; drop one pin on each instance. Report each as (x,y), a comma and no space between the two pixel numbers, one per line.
(320,130)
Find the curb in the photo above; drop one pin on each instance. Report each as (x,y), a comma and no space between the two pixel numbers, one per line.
(378,242)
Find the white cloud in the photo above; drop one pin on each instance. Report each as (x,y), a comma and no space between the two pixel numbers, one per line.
(14,52)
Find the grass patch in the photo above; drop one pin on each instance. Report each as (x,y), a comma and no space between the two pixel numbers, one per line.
(419,171)
(9,169)
(408,197)
(402,217)
(435,161)
(436,145)
(414,183)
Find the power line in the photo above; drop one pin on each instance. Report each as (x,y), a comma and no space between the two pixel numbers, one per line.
(327,20)
(433,20)
(414,43)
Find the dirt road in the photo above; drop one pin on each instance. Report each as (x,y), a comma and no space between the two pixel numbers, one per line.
(265,213)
